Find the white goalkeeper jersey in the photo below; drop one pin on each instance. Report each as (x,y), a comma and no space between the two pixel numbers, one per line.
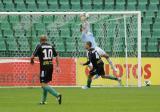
(87,35)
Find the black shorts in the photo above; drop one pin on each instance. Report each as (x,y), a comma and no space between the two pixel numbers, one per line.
(46,74)
(98,70)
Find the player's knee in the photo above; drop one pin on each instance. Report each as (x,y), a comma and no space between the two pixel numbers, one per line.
(43,85)
(90,76)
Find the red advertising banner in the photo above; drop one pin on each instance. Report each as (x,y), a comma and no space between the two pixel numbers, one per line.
(19,72)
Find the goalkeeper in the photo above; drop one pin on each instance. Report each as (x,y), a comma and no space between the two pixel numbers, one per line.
(88,36)
(98,66)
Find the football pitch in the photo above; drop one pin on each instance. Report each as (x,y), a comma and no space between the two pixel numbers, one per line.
(145,99)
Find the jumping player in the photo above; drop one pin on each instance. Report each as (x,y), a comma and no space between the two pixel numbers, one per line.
(98,66)
(45,52)
(88,36)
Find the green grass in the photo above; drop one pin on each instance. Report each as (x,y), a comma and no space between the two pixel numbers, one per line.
(145,99)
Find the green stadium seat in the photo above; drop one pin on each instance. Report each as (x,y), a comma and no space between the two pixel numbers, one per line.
(7,1)
(2,44)
(53,2)
(60,47)
(147,20)
(150,14)
(1,7)
(39,26)
(142,7)
(19,1)
(3,19)
(153,7)
(109,7)
(70,47)
(98,4)
(43,7)
(110,33)
(9,7)
(43,1)
(14,19)
(19,33)
(120,7)
(119,48)
(53,34)
(7,33)
(65,32)
(143,40)
(146,34)
(30,1)
(20,7)
(156,25)
(154,2)
(36,19)
(30,34)
(64,5)
(81,47)
(143,2)
(131,7)
(120,2)
(59,39)
(132,2)
(11,43)
(53,7)
(41,32)
(86,5)
(145,26)
(35,40)
(48,19)
(0,34)
(5,26)
(33,45)
(76,7)
(158,14)
(64,1)
(152,47)
(23,43)
(156,33)
(32,7)
(143,47)
(109,2)
(104,43)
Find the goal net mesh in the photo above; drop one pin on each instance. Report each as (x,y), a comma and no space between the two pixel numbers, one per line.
(115,34)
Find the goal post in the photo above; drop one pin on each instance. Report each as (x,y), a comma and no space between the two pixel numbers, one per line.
(116,32)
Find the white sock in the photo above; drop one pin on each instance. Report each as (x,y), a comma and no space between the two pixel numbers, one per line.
(110,62)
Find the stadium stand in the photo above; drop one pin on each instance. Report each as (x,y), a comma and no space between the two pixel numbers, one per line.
(10,40)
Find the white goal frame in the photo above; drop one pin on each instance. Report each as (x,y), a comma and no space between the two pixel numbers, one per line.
(138,13)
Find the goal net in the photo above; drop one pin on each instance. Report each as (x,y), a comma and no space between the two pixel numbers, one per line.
(117,33)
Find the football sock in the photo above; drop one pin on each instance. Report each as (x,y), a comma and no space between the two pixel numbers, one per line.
(51,91)
(89,81)
(44,95)
(110,62)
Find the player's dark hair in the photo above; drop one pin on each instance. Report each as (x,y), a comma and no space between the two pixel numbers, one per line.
(89,44)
